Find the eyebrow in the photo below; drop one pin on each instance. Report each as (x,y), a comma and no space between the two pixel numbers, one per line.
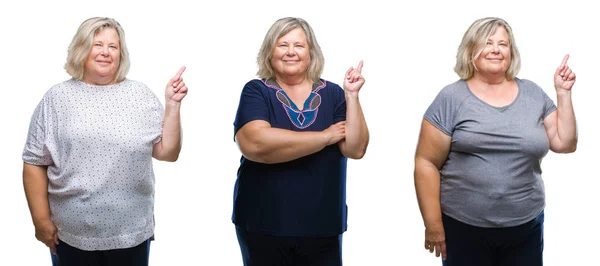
(501,40)
(110,43)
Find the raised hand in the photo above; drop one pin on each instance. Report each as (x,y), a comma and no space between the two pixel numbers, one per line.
(564,77)
(354,79)
(176,89)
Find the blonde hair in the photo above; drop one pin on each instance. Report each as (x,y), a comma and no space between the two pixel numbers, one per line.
(278,29)
(473,43)
(81,45)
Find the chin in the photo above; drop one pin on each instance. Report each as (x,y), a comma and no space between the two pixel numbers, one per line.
(292,73)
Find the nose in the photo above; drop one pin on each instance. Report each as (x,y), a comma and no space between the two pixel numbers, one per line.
(495,48)
(104,50)
(290,51)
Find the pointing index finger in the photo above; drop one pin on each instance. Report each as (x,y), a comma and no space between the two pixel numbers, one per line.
(360,65)
(564,61)
(179,73)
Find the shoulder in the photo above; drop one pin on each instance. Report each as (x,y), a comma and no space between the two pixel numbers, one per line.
(529,87)
(527,84)
(138,88)
(326,84)
(63,88)
(330,88)
(455,92)
(458,87)
(258,85)
(133,84)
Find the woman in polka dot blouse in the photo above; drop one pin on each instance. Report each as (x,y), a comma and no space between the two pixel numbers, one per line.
(87,168)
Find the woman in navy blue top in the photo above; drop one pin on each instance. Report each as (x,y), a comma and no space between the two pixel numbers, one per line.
(295,131)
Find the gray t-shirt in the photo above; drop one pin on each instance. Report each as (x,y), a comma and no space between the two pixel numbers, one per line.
(97,143)
(492,177)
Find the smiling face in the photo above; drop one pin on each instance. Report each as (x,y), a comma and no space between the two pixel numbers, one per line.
(103,60)
(291,56)
(495,56)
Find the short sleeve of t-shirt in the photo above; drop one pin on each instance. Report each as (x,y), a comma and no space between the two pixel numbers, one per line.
(340,106)
(549,105)
(36,150)
(442,111)
(252,106)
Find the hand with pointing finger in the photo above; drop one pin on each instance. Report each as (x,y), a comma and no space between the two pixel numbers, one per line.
(564,77)
(176,89)
(354,80)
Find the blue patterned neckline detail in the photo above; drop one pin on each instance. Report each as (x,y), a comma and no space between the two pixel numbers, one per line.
(299,118)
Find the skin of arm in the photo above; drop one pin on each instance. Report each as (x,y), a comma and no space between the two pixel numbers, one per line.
(357,134)
(259,142)
(170,145)
(35,183)
(560,125)
(432,152)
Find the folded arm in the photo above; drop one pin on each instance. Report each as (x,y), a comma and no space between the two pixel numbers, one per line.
(259,142)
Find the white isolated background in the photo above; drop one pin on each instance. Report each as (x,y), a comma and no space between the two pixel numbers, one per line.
(409,50)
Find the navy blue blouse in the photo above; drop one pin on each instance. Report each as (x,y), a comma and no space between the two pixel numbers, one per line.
(306,196)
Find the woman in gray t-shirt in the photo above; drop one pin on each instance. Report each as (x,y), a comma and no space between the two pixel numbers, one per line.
(88,157)
(477,165)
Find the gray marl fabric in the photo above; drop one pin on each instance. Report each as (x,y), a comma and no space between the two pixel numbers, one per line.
(492,177)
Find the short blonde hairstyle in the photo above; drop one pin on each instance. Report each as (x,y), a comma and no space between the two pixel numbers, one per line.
(278,29)
(81,45)
(474,41)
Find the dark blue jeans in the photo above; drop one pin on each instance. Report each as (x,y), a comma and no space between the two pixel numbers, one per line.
(260,249)
(71,256)
(468,245)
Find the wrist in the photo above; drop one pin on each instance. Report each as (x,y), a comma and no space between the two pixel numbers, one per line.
(433,222)
(563,93)
(172,104)
(352,95)
(37,221)
(325,138)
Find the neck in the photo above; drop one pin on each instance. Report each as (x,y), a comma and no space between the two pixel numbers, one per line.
(98,80)
(490,80)
(292,82)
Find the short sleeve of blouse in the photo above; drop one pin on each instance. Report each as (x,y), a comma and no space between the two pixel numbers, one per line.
(156,115)
(36,146)
(340,105)
(252,106)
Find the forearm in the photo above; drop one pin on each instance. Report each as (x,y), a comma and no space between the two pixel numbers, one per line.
(35,183)
(171,132)
(566,124)
(275,145)
(427,185)
(357,133)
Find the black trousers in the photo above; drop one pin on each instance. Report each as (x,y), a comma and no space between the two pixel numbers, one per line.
(260,249)
(71,256)
(468,245)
